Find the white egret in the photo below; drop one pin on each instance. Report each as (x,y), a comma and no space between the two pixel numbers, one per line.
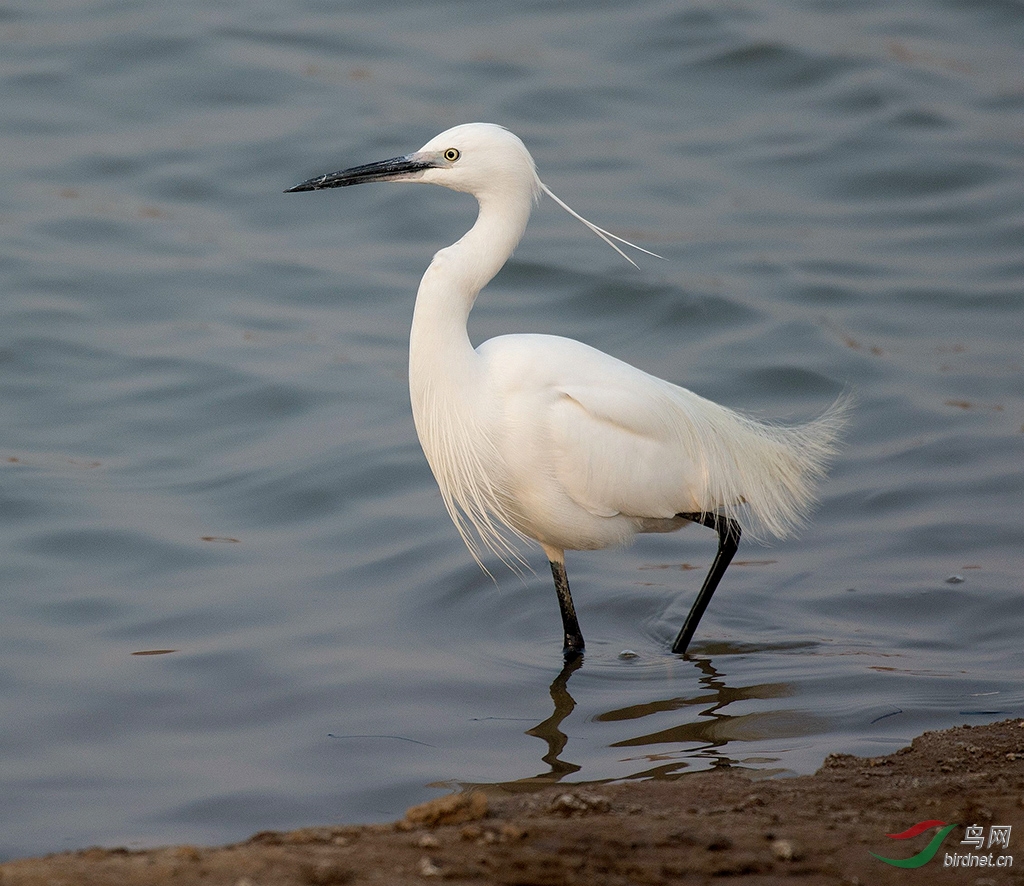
(544,438)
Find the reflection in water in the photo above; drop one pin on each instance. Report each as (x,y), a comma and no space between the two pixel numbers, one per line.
(704,736)
(549,730)
(707,736)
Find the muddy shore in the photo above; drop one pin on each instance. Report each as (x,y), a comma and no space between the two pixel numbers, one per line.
(711,827)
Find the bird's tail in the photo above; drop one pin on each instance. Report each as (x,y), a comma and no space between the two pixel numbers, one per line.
(770,471)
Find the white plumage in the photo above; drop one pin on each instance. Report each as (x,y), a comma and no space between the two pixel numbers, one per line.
(544,438)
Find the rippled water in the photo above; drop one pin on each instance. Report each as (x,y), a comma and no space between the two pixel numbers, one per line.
(207,448)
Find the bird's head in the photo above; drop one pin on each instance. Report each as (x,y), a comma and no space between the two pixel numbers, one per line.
(477,158)
(482,159)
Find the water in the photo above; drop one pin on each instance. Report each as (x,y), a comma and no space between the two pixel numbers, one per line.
(207,448)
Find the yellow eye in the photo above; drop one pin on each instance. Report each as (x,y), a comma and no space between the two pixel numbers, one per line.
(452,154)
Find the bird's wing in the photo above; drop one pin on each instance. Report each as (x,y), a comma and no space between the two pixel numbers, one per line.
(613,438)
(617,447)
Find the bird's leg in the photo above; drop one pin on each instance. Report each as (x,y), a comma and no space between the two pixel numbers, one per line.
(573,646)
(728,540)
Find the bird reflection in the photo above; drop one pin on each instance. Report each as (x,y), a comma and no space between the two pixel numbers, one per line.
(702,739)
(549,730)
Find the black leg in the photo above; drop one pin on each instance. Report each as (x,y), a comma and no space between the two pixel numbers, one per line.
(573,638)
(728,540)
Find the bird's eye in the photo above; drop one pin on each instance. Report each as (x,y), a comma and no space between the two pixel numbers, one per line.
(452,154)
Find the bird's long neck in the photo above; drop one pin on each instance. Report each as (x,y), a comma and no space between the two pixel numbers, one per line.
(439,344)
(447,377)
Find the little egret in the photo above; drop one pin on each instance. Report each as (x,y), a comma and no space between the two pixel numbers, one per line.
(544,438)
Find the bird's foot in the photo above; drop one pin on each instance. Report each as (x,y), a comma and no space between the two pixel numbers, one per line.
(572,649)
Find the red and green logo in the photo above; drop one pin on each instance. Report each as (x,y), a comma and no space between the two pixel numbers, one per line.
(926,854)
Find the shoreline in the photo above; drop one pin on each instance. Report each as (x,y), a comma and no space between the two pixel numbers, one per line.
(721,826)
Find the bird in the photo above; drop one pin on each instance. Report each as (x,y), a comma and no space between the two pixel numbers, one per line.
(540,438)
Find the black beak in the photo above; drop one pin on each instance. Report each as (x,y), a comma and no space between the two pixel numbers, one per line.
(382,171)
